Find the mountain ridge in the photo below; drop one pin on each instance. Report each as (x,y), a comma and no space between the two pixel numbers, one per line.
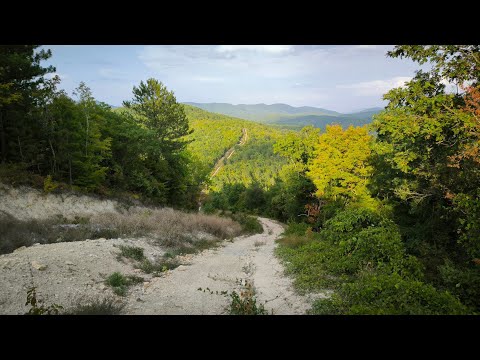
(287,115)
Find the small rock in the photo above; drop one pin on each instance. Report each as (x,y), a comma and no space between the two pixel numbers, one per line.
(146,284)
(20,248)
(139,299)
(137,271)
(38,266)
(102,287)
(36,244)
(102,239)
(69,263)
(181,268)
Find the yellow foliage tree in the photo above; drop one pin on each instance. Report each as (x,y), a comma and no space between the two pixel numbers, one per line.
(340,167)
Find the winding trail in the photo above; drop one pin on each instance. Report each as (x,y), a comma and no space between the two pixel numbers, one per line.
(229,153)
(247,257)
(219,164)
(73,271)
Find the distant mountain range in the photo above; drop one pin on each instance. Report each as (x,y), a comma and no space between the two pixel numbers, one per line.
(289,116)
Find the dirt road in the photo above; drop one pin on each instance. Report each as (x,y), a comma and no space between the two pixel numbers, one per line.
(229,153)
(247,257)
(65,272)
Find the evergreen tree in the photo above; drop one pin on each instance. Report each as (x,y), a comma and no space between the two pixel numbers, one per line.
(21,76)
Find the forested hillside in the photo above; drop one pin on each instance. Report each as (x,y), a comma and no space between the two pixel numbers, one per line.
(213,134)
(253,163)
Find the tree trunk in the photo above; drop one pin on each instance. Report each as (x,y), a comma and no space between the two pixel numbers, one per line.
(54,167)
(20,148)
(70,170)
(86,137)
(3,140)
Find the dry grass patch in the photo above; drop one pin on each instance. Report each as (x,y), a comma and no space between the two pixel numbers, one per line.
(168,227)
(185,232)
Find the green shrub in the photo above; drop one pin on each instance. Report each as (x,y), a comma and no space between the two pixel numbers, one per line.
(105,306)
(49,185)
(120,283)
(245,304)
(340,251)
(382,294)
(132,252)
(353,219)
(296,228)
(463,282)
(158,266)
(249,224)
(293,241)
(312,264)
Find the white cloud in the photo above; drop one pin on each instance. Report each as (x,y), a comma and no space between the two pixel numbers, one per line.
(366,47)
(111,74)
(450,87)
(210,79)
(376,87)
(274,49)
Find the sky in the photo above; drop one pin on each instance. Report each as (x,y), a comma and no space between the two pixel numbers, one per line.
(343,78)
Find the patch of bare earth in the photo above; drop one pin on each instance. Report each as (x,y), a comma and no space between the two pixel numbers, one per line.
(65,272)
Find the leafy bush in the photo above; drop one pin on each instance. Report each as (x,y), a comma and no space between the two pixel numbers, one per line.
(338,253)
(381,294)
(353,219)
(463,282)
